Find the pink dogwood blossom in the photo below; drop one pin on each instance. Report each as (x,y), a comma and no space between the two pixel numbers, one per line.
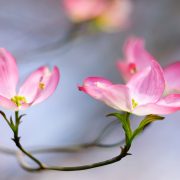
(37,87)
(83,10)
(116,16)
(105,14)
(142,95)
(137,58)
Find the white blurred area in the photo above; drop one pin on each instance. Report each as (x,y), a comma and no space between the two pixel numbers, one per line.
(71,117)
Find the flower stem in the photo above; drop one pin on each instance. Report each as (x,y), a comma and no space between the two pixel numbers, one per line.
(124,152)
(16,139)
(17,142)
(42,167)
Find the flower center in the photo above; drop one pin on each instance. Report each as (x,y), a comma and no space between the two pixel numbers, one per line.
(18,100)
(134,104)
(41,85)
(132,68)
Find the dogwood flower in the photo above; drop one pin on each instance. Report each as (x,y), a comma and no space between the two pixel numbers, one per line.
(137,58)
(115,17)
(37,87)
(142,95)
(84,10)
(105,14)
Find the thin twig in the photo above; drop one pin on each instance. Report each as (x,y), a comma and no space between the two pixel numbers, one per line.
(26,166)
(42,166)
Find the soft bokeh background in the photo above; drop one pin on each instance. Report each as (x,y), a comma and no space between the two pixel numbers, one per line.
(71,117)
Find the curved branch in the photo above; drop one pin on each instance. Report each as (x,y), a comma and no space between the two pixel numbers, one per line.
(24,165)
(124,118)
(42,166)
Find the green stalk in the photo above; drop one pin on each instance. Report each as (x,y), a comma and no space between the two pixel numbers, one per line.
(16,139)
(41,166)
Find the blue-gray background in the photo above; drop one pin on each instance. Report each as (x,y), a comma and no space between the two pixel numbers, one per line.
(71,117)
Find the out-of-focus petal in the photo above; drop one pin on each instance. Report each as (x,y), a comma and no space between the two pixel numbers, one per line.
(8,74)
(7,103)
(172,77)
(47,85)
(83,10)
(148,85)
(115,16)
(115,96)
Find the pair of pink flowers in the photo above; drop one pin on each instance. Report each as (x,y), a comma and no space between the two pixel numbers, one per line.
(37,87)
(149,88)
(107,15)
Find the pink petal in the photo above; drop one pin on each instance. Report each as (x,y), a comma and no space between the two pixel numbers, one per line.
(31,85)
(91,86)
(7,103)
(148,85)
(167,105)
(115,96)
(8,74)
(50,81)
(172,75)
(172,100)
(24,106)
(154,109)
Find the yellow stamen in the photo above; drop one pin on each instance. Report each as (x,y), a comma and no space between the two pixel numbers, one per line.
(18,100)
(134,103)
(41,86)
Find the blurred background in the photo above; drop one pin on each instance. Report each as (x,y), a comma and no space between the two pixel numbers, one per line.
(36,33)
